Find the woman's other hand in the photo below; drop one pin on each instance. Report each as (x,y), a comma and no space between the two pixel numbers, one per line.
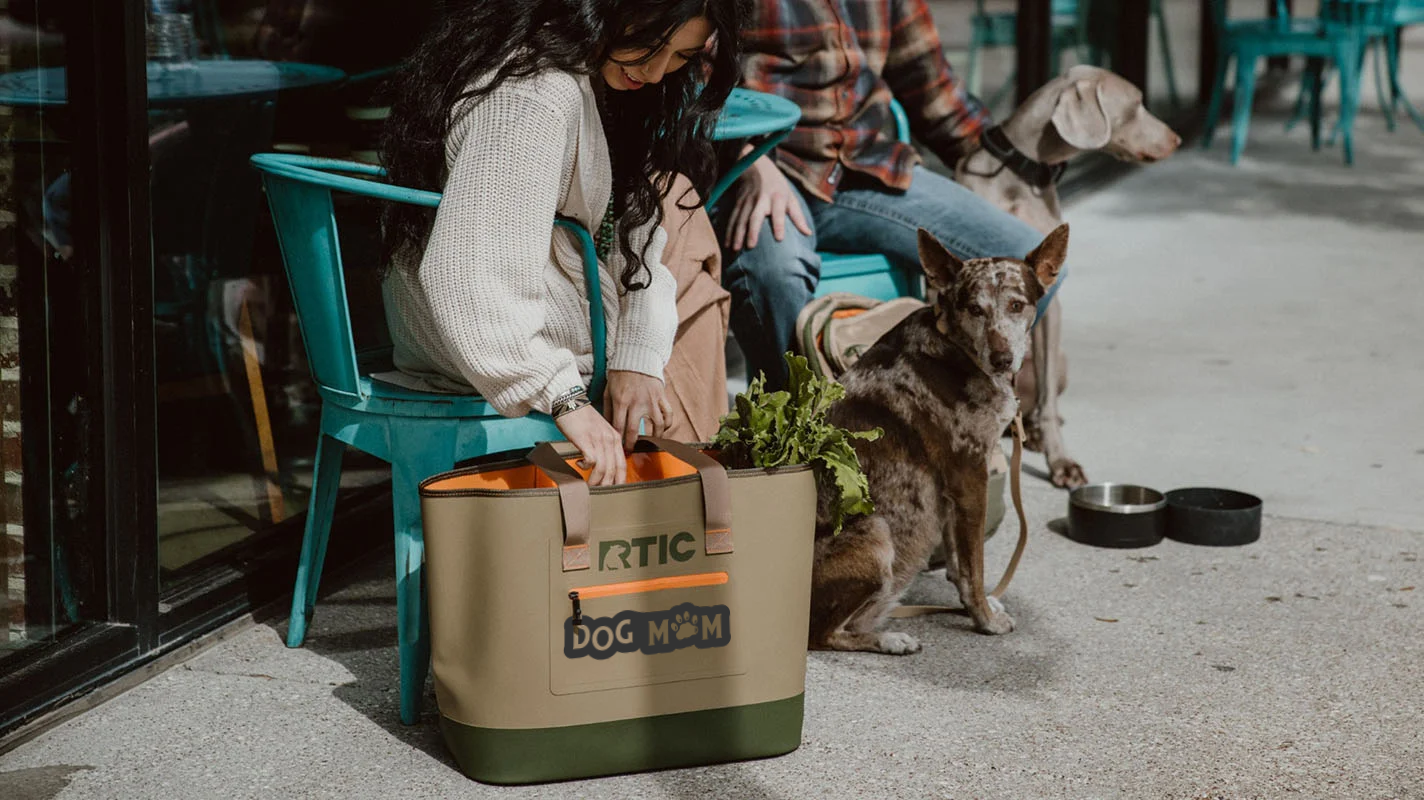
(633,397)
(763,192)
(598,441)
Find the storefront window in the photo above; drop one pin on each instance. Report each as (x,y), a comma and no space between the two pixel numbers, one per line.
(237,413)
(44,577)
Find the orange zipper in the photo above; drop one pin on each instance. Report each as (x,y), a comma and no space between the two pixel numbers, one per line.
(652,585)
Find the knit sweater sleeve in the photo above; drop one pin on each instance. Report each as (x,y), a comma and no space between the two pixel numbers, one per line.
(647,318)
(483,267)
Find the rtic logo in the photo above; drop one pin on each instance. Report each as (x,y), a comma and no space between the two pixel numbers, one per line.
(650,632)
(615,553)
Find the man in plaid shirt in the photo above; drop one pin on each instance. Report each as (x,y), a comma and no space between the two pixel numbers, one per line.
(842,179)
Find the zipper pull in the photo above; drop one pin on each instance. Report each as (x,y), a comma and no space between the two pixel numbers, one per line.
(578,609)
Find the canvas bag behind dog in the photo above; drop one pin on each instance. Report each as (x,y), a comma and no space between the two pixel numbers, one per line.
(832,331)
(582,631)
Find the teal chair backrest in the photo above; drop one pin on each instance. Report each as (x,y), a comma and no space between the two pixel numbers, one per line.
(299,191)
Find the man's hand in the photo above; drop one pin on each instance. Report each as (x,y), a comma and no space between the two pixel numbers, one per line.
(763,192)
(633,397)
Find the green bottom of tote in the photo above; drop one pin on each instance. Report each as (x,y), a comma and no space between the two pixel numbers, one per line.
(695,738)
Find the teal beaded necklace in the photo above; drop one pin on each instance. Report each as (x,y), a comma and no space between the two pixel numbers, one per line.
(603,240)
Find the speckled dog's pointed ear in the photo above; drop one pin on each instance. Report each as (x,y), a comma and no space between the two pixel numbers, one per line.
(1047,259)
(941,266)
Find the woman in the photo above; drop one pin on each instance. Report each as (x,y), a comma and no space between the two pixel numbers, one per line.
(521,110)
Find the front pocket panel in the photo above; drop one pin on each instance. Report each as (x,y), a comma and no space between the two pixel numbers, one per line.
(666,620)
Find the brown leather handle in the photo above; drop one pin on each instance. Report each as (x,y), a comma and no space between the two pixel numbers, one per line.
(716,492)
(573,502)
(577,509)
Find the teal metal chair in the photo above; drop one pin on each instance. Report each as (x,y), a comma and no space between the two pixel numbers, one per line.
(871,275)
(418,434)
(1070,21)
(1383,24)
(1407,13)
(1337,40)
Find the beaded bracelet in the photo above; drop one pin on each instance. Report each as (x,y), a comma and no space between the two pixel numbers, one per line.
(570,401)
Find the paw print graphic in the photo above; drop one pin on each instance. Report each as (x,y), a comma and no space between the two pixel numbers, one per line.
(685,625)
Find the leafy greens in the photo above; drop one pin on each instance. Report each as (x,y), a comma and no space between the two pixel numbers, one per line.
(778,429)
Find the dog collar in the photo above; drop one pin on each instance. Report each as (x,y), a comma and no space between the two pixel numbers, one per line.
(1035,173)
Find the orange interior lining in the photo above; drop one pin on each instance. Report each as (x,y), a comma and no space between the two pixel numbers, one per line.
(641,467)
(653,585)
(844,313)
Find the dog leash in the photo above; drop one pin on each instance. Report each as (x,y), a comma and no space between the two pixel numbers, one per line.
(1015,465)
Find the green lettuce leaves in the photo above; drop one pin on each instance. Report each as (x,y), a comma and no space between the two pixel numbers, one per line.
(779,429)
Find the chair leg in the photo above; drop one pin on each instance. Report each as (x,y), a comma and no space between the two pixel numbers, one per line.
(430,449)
(1164,42)
(972,78)
(1349,99)
(276,504)
(1376,46)
(1315,72)
(1245,93)
(1303,96)
(326,481)
(1397,95)
(1218,91)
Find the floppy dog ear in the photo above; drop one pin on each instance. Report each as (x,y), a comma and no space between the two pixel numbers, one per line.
(1048,257)
(1079,116)
(941,266)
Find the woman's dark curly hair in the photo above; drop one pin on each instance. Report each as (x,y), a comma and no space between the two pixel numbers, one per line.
(652,132)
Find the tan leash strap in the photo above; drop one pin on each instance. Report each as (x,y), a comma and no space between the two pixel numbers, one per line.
(1015,465)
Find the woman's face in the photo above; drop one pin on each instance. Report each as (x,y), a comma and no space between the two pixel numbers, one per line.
(629,70)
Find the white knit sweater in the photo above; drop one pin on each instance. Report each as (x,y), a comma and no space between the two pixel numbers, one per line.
(498,304)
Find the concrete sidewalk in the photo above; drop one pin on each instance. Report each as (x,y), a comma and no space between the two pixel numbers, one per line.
(1246,327)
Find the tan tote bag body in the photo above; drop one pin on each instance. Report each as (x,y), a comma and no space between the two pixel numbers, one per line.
(670,611)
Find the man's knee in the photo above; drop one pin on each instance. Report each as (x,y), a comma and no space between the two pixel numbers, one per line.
(774,273)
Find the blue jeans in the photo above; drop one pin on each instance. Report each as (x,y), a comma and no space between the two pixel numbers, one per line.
(773,281)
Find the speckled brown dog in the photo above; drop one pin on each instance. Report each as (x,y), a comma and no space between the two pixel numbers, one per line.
(941,386)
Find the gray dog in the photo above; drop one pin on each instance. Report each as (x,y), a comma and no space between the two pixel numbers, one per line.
(1087,108)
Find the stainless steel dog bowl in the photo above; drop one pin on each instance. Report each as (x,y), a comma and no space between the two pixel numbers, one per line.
(1116,515)
(1213,517)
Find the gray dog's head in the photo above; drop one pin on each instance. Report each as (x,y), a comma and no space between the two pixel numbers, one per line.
(1100,110)
(987,305)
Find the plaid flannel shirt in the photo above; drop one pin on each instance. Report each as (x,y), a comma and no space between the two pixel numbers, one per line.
(841,61)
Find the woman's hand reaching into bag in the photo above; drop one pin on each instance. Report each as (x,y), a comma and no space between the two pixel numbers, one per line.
(633,397)
(598,441)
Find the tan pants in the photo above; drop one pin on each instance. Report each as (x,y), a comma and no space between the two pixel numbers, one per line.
(696,376)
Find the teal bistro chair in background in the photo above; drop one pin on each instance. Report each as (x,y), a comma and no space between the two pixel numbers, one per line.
(1338,40)
(419,434)
(1081,26)
(1382,24)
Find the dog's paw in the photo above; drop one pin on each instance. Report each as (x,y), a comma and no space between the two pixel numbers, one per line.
(1033,434)
(1068,474)
(898,644)
(998,623)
